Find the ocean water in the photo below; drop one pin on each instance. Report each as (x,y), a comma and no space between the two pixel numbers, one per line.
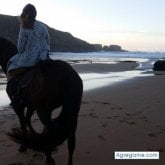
(145,59)
(97,80)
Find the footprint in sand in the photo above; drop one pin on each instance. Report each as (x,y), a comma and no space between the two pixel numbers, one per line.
(127,122)
(131,122)
(93,115)
(88,152)
(101,138)
(85,102)
(2,122)
(163,129)
(105,103)
(158,149)
(104,125)
(129,114)
(153,135)
(16,163)
(100,102)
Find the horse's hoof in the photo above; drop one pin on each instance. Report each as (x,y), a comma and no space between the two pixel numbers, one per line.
(22,149)
(50,161)
(70,163)
(32,131)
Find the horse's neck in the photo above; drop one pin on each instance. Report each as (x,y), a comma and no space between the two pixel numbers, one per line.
(7,50)
(4,64)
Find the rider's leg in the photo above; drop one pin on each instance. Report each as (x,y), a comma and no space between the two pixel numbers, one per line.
(13,85)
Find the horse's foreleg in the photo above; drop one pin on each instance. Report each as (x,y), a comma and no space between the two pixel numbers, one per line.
(71,147)
(49,159)
(29,114)
(45,117)
(21,117)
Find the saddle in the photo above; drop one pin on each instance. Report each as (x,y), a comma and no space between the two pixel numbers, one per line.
(15,85)
(21,79)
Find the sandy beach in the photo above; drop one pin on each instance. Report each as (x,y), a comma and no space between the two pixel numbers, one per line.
(126,116)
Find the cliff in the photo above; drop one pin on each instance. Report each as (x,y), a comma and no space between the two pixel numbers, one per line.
(60,41)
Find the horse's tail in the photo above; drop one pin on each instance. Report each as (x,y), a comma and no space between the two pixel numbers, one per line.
(38,142)
(72,102)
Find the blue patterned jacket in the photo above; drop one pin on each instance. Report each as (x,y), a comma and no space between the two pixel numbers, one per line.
(33,46)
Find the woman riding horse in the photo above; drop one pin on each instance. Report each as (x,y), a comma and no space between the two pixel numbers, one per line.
(61,87)
(33,46)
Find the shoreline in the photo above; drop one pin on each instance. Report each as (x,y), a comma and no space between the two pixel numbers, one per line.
(101,67)
(94,75)
(125,116)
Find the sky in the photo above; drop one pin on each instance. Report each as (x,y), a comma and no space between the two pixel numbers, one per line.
(133,24)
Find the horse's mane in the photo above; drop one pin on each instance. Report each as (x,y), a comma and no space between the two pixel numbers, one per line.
(7,50)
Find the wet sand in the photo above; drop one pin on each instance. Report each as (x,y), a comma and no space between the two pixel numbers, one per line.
(127,116)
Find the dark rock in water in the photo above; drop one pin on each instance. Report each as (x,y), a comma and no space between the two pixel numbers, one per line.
(159,65)
(113,48)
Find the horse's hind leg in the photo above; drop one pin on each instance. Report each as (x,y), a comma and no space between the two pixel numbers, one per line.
(21,116)
(29,114)
(71,147)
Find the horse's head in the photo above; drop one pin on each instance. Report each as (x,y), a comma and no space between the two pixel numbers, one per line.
(7,50)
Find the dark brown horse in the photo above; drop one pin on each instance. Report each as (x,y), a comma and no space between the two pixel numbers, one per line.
(53,84)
